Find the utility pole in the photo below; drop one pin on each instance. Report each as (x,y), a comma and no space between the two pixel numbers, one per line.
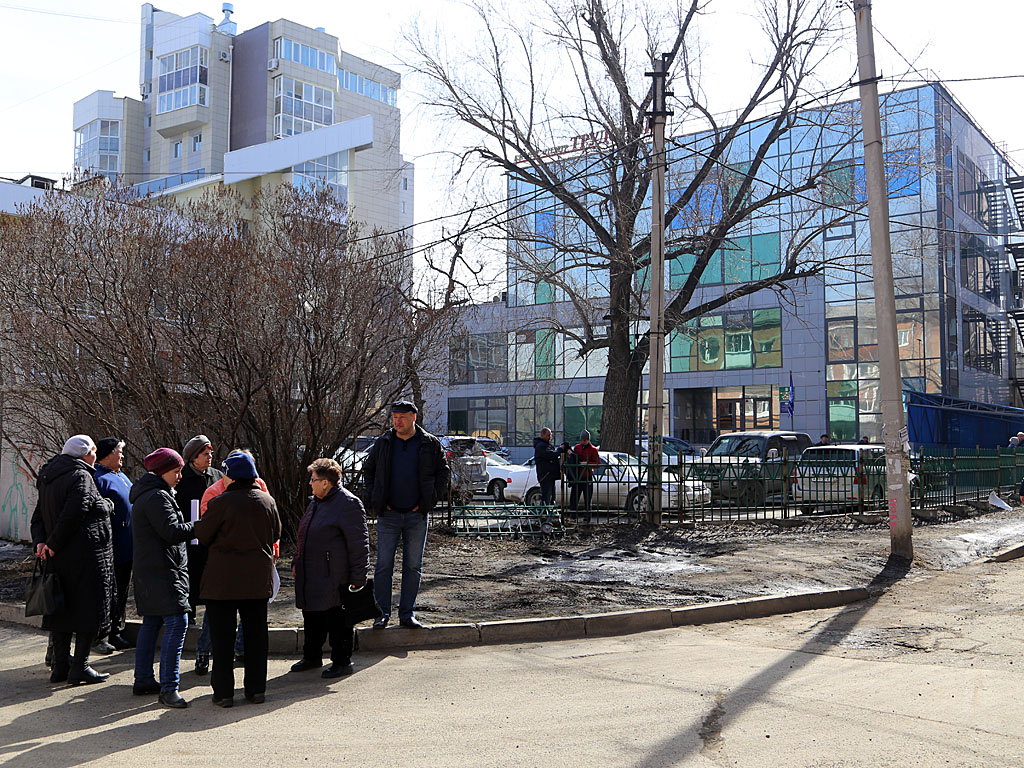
(893,429)
(656,380)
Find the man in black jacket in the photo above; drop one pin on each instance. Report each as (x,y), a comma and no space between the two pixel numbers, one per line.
(545,456)
(406,472)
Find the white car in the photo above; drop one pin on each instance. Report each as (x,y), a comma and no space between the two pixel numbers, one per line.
(620,482)
(508,481)
(842,476)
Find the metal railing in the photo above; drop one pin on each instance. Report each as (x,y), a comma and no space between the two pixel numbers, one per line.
(726,489)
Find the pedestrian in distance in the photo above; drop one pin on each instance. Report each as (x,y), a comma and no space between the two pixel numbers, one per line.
(160,575)
(332,555)
(239,530)
(825,440)
(406,471)
(113,484)
(546,459)
(71,529)
(589,461)
(197,476)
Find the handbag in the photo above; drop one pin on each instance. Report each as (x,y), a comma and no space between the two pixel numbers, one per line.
(360,605)
(43,593)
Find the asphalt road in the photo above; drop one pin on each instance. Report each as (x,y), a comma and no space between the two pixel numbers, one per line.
(928,674)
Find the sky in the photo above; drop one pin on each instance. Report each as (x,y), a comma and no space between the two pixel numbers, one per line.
(56,53)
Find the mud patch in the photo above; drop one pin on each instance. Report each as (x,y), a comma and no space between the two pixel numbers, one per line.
(710,730)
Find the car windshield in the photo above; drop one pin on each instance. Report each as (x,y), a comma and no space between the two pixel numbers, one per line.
(738,445)
(465,446)
(493,458)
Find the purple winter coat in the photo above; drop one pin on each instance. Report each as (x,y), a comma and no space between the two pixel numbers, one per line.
(333,550)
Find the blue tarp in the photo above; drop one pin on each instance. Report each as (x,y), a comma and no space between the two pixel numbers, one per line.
(939,421)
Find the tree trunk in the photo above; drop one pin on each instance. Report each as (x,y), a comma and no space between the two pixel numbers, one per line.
(621,388)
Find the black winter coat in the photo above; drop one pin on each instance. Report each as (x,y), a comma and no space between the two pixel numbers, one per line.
(159,533)
(545,457)
(191,487)
(434,472)
(333,550)
(73,520)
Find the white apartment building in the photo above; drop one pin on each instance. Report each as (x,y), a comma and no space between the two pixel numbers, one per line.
(207,90)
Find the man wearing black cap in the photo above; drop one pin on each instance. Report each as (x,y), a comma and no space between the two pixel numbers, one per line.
(407,472)
(114,485)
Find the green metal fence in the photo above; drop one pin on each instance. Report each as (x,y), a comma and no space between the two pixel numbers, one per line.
(724,489)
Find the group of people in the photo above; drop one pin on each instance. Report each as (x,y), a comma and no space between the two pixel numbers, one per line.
(185,534)
(579,464)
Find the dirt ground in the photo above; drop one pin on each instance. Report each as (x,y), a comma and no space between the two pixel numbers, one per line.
(621,566)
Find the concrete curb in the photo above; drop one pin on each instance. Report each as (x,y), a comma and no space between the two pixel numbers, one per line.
(1005,555)
(288,641)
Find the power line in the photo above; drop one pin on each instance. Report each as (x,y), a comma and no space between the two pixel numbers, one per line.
(65,14)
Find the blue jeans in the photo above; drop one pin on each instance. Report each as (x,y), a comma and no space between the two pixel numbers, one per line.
(170,650)
(411,528)
(204,644)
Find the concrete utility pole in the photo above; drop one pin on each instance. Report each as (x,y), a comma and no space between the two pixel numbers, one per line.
(656,380)
(893,429)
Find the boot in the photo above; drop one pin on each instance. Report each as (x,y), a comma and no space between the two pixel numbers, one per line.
(80,672)
(61,656)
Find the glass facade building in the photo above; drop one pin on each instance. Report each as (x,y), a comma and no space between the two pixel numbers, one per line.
(724,370)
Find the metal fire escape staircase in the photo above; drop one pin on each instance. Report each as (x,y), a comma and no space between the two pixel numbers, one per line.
(1014,185)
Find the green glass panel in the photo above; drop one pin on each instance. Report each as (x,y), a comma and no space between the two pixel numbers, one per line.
(712,274)
(765,255)
(767,338)
(544,353)
(737,260)
(842,420)
(841,389)
(679,269)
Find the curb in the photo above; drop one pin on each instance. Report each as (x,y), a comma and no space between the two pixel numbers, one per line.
(288,641)
(1005,555)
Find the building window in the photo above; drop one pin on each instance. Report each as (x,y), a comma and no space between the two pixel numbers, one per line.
(478,358)
(403,206)
(300,107)
(478,416)
(98,147)
(330,170)
(183,79)
(405,183)
(730,341)
(197,142)
(176,149)
(367,87)
(532,414)
(145,155)
(305,55)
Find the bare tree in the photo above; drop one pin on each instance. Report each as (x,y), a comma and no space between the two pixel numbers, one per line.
(556,100)
(271,323)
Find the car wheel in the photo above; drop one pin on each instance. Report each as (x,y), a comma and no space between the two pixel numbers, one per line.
(753,495)
(496,490)
(877,496)
(807,509)
(637,502)
(533,497)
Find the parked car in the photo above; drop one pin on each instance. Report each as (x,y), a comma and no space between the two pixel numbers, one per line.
(468,463)
(620,482)
(842,476)
(490,445)
(674,451)
(508,480)
(747,467)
